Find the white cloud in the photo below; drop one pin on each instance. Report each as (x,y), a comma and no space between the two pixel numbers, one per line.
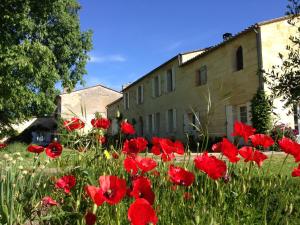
(107,58)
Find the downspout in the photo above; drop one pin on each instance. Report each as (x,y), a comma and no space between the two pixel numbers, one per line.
(257,30)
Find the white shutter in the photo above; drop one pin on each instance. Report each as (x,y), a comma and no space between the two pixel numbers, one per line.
(153,88)
(229,121)
(173,78)
(167,122)
(186,122)
(249,114)
(159,85)
(153,124)
(137,95)
(174,120)
(166,82)
(142,92)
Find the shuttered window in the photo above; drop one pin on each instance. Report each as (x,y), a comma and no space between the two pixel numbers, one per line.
(201,76)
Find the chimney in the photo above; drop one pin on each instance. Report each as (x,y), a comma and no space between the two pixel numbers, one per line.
(227,36)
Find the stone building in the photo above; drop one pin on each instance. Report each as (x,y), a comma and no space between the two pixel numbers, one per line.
(209,88)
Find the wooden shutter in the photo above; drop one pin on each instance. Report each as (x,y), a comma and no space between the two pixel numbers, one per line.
(173,78)
(153,87)
(229,121)
(142,94)
(186,122)
(174,120)
(137,95)
(128,100)
(197,77)
(159,85)
(166,82)
(167,122)
(153,123)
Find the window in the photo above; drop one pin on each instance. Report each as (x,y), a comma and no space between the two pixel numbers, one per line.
(141,126)
(126,100)
(169,80)
(201,76)
(171,120)
(140,94)
(157,123)
(156,86)
(150,124)
(296,116)
(192,120)
(239,59)
(243,114)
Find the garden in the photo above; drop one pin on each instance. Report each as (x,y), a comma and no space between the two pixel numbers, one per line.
(94,179)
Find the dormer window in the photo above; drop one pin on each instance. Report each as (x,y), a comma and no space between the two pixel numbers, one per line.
(239,59)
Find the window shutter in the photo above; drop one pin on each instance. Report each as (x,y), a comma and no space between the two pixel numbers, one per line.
(249,114)
(124,100)
(153,88)
(229,121)
(142,92)
(128,101)
(153,124)
(186,121)
(137,95)
(167,122)
(174,120)
(159,85)
(173,78)
(197,77)
(147,124)
(166,82)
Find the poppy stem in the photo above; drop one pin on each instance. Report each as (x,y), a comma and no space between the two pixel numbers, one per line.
(287,155)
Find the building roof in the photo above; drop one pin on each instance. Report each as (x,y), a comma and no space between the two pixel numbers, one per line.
(98,85)
(115,101)
(206,51)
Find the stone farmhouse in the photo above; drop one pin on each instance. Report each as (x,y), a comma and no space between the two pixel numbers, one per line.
(210,88)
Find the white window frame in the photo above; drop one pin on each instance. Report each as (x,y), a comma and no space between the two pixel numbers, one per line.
(248,108)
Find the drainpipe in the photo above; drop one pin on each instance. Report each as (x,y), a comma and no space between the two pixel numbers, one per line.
(257,30)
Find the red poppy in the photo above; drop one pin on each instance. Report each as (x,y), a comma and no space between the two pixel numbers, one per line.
(3,145)
(180,176)
(142,189)
(145,164)
(112,190)
(217,147)
(296,172)
(130,165)
(101,123)
(127,128)
(73,124)
(141,213)
(53,150)
(66,183)
(166,148)
(243,130)
(290,147)
(178,147)
(48,201)
(35,149)
(229,150)
(135,145)
(90,218)
(249,155)
(261,140)
(213,167)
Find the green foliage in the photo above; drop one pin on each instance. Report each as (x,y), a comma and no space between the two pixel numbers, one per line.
(284,79)
(261,109)
(41,44)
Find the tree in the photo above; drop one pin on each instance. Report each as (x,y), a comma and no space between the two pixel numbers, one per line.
(284,79)
(41,44)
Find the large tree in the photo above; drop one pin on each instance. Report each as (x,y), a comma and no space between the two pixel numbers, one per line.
(284,79)
(41,44)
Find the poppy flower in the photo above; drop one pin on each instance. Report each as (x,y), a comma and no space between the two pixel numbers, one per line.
(178,147)
(213,167)
(296,172)
(243,130)
(101,123)
(180,176)
(130,165)
(53,150)
(261,140)
(3,145)
(145,164)
(66,183)
(48,201)
(249,155)
(142,189)
(35,149)
(140,212)
(73,124)
(127,128)
(90,218)
(166,148)
(290,147)
(217,147)
(112,190)
(229,150)
(135,145)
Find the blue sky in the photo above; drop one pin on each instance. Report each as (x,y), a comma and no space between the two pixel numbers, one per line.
(132,37)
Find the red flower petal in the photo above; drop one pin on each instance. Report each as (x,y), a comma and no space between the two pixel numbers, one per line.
(73,124)
(229,150)
(35,149)
(127,128)
(141,213)
(101,123)
(53,150)
(130,165)
(261,140)
(296,172)
(180,176)
(142,189)
(95,194)
(145,164)
(243,130)
(90,218)
(49,201)
(66,183)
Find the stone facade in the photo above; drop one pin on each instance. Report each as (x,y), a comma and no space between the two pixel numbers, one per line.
(209,88)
